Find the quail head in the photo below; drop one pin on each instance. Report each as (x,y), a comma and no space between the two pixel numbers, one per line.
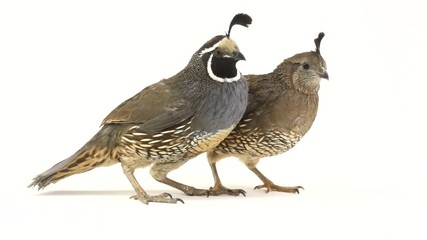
(169,122)
(281,109)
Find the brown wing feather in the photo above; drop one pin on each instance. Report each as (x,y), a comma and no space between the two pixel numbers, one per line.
(158,106)
(262,91)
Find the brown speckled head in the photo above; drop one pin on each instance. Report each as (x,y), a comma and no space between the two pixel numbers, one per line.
(307,69)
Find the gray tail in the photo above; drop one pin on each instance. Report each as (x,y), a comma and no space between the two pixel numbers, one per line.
(97,152)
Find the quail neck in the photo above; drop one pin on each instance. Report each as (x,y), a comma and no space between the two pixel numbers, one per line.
(219,56)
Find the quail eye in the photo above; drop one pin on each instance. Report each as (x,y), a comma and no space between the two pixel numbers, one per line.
(218,53)
(306,66)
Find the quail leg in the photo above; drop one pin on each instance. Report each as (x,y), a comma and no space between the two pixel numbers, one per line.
(270,186)
(159,172)
(142,196)
(188,190)
(219,189)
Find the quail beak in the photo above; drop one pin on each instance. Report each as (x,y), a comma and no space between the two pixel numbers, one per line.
(237,55)
(324,74)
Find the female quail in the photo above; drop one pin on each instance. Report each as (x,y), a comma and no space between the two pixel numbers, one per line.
(282,107)
(169,122)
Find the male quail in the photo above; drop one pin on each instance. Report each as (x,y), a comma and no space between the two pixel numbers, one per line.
(169,122)
(281,109)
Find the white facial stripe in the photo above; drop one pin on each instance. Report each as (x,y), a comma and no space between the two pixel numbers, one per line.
(211,48)
(210,72)
(216,78)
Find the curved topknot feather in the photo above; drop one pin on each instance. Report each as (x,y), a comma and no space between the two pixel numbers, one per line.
(318,40)
(240,19)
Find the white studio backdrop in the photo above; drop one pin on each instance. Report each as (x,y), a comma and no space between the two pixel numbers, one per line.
(64,65)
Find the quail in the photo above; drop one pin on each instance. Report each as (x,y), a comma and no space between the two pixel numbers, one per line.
(169,122)
(281,109)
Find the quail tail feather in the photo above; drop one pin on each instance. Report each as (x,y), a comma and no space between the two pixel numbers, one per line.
(97,152)
(82,161)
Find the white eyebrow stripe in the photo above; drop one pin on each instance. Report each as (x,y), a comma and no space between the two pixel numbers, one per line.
(211,48)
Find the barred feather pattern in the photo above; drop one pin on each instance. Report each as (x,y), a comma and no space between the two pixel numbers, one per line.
(257,143)
(171,145)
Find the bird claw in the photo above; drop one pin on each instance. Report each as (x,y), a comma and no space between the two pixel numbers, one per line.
(221,190)
(161,198)
(275,188)
(167,194)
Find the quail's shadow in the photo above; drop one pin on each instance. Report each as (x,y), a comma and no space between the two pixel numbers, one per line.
(249,193)
(88,193)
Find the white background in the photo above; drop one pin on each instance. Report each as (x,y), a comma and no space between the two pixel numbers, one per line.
(64,65)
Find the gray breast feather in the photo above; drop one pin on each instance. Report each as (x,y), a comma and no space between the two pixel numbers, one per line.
(223,107)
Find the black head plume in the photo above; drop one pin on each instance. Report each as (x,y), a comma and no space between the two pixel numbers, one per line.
(240,19)
(318,40)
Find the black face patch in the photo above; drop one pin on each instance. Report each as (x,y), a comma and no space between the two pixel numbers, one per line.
(224,67)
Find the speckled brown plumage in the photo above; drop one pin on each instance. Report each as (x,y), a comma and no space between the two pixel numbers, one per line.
(169,122)
(282,107)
